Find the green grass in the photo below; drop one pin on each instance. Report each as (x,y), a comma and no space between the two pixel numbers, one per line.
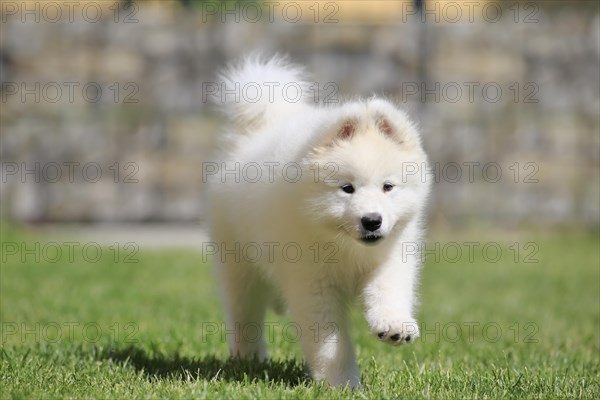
(135,330)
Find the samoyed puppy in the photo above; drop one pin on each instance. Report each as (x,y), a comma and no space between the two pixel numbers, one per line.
(309,208)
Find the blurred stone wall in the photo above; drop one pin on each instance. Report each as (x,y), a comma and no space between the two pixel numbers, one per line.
(104,116)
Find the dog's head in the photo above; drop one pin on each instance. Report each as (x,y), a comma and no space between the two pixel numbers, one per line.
(368,170)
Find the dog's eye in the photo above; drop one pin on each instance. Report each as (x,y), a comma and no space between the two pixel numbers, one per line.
(348,188)
(387,187)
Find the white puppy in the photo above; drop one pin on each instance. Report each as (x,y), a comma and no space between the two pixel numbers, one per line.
(314,206)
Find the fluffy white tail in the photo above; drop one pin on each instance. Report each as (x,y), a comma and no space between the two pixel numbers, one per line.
(258,90)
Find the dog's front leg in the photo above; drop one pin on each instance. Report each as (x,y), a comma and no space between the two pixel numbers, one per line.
(321,320)
(389,298)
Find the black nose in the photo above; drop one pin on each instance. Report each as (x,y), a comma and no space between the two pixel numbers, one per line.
(371,221)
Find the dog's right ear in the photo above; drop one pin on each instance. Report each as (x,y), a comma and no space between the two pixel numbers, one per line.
(346,130)
(339,132)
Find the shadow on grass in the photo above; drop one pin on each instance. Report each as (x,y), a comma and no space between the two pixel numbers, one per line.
(290,372)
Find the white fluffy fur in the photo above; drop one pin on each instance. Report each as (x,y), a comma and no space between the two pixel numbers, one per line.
(317,216)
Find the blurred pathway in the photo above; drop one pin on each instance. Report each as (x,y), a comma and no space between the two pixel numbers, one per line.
(144,235)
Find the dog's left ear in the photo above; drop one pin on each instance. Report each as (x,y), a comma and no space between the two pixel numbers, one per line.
(388,129)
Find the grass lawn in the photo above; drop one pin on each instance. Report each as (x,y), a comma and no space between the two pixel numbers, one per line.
(77,326)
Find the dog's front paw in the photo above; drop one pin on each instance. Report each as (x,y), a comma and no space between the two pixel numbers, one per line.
(396,331)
